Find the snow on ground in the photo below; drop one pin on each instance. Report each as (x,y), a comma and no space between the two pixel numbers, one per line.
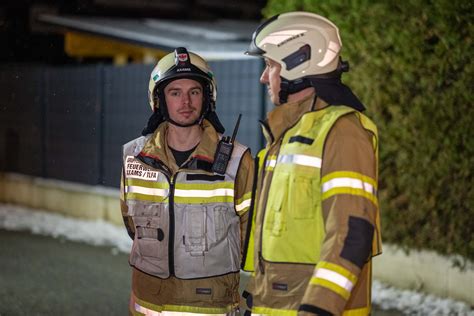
(102,233)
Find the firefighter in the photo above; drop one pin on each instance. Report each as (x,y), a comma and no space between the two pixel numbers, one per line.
(186,219)
(316,223)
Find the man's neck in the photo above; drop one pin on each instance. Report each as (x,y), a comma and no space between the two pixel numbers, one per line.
(183,138)
(300,95)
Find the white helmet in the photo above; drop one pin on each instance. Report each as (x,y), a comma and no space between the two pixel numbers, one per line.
(307,47)
(303,43)
(178,65)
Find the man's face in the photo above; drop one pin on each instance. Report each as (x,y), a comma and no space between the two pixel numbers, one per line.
(184,98)
(271,78)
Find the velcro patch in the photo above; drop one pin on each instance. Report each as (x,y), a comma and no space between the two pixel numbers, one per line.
(301,139)
(358,242)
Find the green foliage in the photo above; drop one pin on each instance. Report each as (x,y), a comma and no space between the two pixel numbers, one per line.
(411,65)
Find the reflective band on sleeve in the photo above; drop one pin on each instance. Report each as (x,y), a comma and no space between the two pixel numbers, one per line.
(303,160)
(348,182)
(240,207)
(334,278)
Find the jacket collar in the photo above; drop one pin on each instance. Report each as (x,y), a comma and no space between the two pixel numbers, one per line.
(156,150)
(284,116)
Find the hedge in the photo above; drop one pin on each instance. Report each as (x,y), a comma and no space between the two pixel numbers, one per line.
(411,64)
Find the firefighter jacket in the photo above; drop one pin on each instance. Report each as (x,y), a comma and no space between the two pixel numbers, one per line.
(316,222)
(186,224)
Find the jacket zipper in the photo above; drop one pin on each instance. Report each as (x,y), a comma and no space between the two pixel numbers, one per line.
(172,225)
(267,127)
(260,256)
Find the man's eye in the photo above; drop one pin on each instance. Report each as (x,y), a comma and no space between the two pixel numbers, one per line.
(196,92)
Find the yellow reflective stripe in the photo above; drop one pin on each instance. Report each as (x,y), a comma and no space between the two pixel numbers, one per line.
(199,310)
(205,186)
(348,183)
(145,311)
(243,202)
(331,286)
(364,311)
(334,277)
(146,191)
(169,309)
(147,184)
(270,163)
(273,311)
(349,174)
(350,191)
(242,206)
(244,197)
(304,160)
(143,197)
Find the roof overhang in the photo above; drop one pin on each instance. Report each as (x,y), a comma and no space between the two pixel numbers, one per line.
(222,39)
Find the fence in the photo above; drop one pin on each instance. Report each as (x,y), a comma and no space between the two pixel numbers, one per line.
(69,122)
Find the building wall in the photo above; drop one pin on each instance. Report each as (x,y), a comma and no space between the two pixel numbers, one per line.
(69,122)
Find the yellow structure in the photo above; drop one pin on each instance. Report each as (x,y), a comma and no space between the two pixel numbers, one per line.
(81,45)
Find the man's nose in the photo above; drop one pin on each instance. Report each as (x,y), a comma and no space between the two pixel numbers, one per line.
(264,76)
(186,98)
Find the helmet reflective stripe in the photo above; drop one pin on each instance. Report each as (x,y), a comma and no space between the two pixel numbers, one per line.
(304,160)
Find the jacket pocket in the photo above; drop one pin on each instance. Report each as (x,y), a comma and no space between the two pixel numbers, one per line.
(301,196)
(277,208)
(195,229)
(149,231)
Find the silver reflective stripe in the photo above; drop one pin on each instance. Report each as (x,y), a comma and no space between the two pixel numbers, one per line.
(147,191)
(348,183)
(146,311)
(204,193)
(243,205)
(334,277)
(303,160)
(270,163)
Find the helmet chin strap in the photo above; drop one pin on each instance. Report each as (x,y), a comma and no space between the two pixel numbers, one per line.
(288,87)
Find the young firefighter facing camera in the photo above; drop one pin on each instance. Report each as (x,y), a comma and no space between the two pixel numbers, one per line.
(184,202)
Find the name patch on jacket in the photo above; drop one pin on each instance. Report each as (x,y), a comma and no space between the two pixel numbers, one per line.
(203,290)
(135,169)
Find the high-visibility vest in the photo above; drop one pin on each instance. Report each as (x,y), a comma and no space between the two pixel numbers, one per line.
(293,225)
(186,224)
